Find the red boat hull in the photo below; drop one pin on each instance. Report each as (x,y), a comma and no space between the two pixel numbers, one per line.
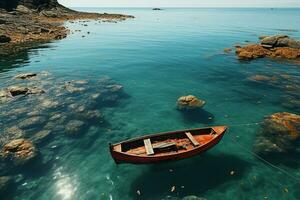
(121,157)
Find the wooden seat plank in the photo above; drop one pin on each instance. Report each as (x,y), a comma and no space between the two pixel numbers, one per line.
(192,139)
(148,147)
(163,145)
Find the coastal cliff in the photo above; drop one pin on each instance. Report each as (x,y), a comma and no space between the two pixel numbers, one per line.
(27,23)
(31,4)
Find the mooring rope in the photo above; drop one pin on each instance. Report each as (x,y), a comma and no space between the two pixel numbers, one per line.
(296,178)
(247,124)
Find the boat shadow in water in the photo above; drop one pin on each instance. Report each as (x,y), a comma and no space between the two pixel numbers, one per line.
(197,116)
(190,177)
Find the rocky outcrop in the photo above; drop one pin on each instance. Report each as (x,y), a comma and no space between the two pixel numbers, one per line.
(279,46)
(29,4)
(19,151)
(280,134)
(189,102)
(26,23)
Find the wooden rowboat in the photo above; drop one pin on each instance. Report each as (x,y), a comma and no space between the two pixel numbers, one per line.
(166,146)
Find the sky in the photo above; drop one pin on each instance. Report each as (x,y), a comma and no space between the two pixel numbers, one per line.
(180,3)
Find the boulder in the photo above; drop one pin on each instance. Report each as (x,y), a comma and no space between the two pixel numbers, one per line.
(25,76)
(5,96)
(19,151)
(272,40)
(280,133)
(189,102)
(17,90)
(280,41)
(288,42)
(23,9)
(50,13)
(75,127)
(4,39)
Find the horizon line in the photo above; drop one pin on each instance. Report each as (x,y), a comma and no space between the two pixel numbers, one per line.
(176,7)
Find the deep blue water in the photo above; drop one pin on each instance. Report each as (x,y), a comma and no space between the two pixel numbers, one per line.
(158,57)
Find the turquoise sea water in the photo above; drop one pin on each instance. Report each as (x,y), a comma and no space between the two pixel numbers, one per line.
(157,57)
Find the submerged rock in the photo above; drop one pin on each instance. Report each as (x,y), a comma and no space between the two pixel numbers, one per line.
(25,76)
(280,134)
(41,136)
(19,151)
(95,115)
(227,50)
(35,90)
(32,122)
(75,127)
(49,104)
(72,88)
(95,96)
(11,133)
(6,182)
(262,78)
(115,88)
(189,102)
(193,197)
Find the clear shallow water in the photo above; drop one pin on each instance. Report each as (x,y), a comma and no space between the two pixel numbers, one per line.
(157,57)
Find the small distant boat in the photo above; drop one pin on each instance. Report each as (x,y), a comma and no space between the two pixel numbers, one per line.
(167,146)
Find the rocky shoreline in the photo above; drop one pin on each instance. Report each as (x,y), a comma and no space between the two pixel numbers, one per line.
(25,26)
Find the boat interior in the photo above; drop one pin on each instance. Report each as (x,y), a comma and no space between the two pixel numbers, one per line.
(164,144)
